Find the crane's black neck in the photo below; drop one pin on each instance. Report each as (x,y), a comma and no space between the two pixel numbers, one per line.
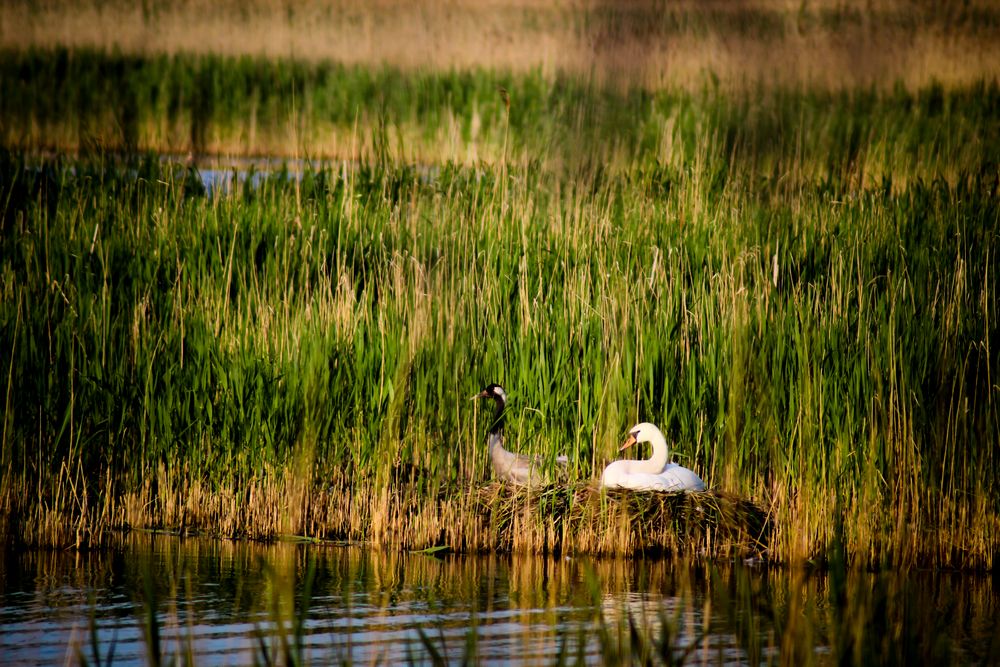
(498,418)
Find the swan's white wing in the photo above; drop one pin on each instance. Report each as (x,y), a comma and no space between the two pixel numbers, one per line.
(646,481)
(679,478)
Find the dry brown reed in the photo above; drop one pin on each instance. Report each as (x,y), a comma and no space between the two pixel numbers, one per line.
(495,516)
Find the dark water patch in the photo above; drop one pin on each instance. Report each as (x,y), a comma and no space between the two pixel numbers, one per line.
(39,178)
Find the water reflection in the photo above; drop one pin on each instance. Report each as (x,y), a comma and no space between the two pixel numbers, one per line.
(220,178)
(234,602)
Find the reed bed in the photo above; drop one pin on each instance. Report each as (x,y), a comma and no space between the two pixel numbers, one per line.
(797,286)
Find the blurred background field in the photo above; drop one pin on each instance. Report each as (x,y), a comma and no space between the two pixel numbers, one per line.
(315,78)
(649,43)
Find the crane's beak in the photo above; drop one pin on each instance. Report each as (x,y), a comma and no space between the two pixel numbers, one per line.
(481,394)
(629,441)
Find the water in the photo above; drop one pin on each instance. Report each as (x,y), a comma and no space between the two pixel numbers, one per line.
(226,603)
(222,177)
(221,180)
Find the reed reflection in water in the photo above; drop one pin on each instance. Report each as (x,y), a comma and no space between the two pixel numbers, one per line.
(212,602)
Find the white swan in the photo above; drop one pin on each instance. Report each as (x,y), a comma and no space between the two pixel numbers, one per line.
(652,474)
(517,468)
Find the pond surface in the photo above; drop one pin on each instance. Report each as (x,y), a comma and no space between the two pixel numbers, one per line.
(225,603)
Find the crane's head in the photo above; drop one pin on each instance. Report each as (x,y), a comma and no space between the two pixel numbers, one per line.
(493,391)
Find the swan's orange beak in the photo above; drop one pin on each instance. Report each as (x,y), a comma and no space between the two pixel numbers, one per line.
(629,441)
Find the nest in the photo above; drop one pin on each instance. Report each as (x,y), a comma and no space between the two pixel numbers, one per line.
(583,518)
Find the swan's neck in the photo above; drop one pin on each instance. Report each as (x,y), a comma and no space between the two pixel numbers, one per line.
(655,463)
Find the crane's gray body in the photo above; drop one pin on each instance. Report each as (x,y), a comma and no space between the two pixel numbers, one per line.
(519,469)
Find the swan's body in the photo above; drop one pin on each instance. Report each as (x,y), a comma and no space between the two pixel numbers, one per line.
(652,474)
(672,478)
(517,468)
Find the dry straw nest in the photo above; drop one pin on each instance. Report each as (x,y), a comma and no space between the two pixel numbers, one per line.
(581,517)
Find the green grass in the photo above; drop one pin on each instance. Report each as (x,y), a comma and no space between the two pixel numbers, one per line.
(798,287)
